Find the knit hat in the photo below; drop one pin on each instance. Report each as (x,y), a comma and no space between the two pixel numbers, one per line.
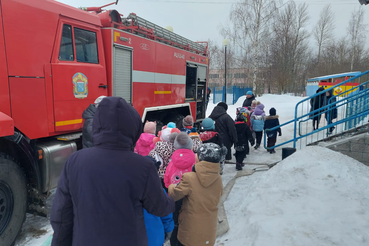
(171,125)
(165,134)
(150,127)
(208,124)
(240,117)
(211,152)
(249,93)
(272,111)
(183,141)
(98,100)
(172,137)
(188,121)
(224,105)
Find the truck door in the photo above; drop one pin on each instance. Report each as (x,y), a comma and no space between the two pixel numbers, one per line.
(122,73)
(78,72)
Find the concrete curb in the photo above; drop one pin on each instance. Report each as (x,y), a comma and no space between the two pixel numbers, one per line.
(223,225)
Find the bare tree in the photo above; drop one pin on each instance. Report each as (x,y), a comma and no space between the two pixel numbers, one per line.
(250,20)
(356,30)
(290,49)
(324,28)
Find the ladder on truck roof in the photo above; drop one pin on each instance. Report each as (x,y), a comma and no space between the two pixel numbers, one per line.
(163,35)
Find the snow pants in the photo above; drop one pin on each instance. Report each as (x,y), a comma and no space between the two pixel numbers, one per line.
(259,135)
(173,239)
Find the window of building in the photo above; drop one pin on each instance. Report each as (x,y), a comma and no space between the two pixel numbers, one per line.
(66,45)
(213,76)
(86,46)
(239,75)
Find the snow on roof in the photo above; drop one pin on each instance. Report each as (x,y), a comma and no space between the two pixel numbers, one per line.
(338,75)
(314,197)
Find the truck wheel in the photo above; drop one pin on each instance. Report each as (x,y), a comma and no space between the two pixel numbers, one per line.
(13,200)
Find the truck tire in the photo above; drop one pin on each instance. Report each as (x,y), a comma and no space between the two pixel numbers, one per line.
(13,200)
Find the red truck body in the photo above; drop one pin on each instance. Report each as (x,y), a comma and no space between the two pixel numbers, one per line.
(55,60)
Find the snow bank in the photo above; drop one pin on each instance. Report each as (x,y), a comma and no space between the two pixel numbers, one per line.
(319,199)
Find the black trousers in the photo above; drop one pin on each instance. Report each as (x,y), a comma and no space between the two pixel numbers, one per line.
(259,135)
(271,142)
(240,156)
(173,239)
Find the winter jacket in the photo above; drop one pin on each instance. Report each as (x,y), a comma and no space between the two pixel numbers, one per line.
(211,137)
(316,103)
(156,227)
(102,190)
(332,110)
(224,125)
(270,122)
(145,144)
(248,101)
(182,162)
(244,136)
(201,191)
(257,118)
(196,141)
(165,151)
(257,123)
(88,116)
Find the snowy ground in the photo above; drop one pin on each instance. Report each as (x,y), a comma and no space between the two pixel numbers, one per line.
(314,197)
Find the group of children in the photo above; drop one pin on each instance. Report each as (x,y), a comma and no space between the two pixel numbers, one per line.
(180,155)
(250,124)
(175,152)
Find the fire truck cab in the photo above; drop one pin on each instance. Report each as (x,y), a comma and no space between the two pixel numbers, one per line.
(55,60)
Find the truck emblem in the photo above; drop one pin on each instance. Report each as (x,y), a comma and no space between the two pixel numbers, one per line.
(80,88)
(144,46)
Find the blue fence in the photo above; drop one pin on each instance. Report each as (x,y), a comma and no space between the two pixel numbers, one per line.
(233,94)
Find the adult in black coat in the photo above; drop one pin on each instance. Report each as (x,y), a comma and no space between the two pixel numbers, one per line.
(249,98)
(88,116)
(224,125)
(102,190)
(331,112)
(317,102)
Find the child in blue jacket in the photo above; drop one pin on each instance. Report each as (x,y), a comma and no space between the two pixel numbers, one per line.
(157,228)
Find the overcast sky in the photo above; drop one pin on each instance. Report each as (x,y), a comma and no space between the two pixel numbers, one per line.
(199,20)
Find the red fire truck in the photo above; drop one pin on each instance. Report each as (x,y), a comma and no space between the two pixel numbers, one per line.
(55,60)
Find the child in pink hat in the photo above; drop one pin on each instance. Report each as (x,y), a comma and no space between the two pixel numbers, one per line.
(146,141)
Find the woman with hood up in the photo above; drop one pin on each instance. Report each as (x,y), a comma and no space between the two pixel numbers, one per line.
(224,125)
(331,112)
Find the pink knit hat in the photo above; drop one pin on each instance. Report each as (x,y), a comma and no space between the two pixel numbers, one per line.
(150,127)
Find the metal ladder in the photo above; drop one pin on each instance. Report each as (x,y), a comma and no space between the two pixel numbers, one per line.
(163,33)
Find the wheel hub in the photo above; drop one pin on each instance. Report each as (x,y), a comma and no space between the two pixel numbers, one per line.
(6,205)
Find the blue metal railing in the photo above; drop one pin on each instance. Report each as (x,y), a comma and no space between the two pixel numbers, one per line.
(354,108)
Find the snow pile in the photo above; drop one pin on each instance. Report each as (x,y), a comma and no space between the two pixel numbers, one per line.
(306,199)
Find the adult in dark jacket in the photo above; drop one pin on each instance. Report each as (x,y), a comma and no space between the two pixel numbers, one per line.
(331,112)
(316,103)
(249,98)
(102,190)
(224,125)
(88,116)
